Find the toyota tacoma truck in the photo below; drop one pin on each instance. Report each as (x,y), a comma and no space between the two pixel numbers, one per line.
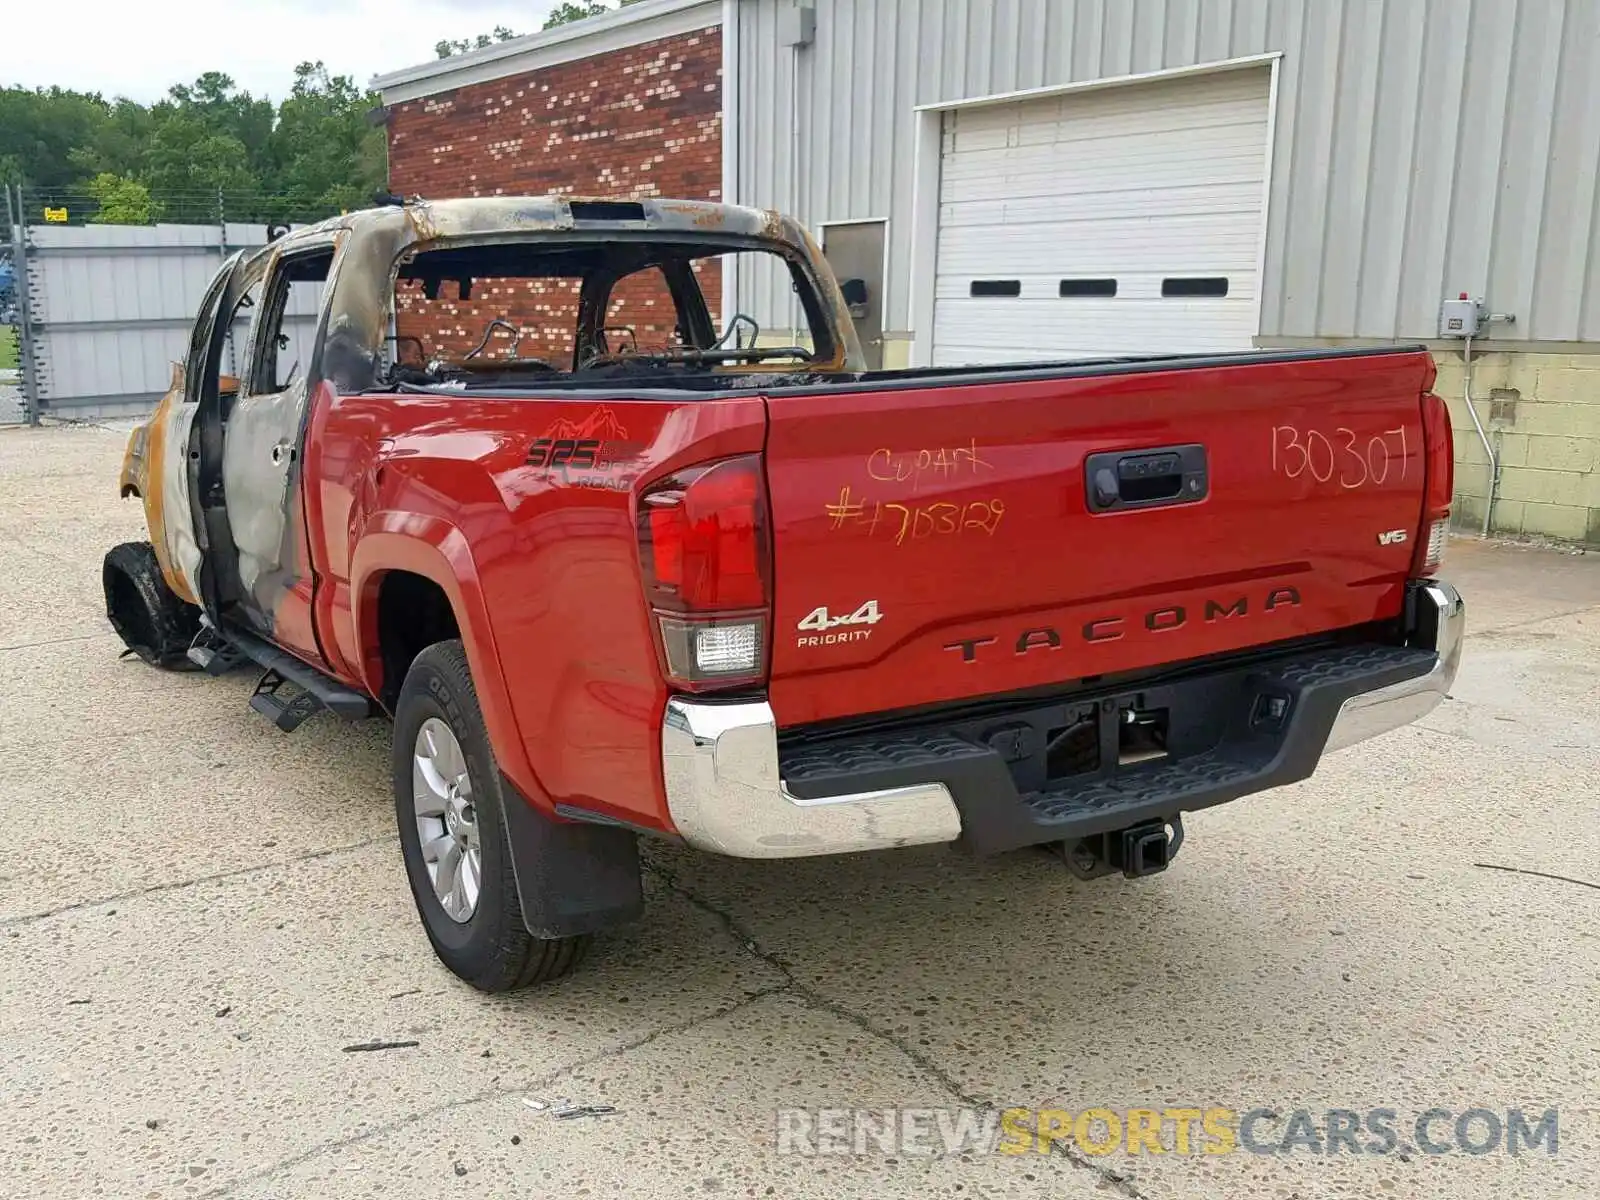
(616,568)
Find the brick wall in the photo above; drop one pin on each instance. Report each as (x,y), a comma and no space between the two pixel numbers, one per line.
(642,121)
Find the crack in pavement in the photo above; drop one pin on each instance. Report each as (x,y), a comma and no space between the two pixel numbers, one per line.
(743,937)
(1121,1184)
(179,884)
(81,637)
(541,1082)
(790,986)
(1537,874)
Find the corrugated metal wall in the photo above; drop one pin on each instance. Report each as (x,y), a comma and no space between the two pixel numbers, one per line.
(1422,146)
(111,308)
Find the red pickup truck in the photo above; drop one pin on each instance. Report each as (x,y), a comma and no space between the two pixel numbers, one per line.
(490,468)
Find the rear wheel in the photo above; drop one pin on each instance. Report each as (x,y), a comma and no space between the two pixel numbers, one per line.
(451,812)
(147,614)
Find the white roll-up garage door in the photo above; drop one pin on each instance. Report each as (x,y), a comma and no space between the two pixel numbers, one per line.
(1126,220)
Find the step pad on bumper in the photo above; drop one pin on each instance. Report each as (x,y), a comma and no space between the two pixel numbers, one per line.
(1075,802)
(828,768)
(1236,730)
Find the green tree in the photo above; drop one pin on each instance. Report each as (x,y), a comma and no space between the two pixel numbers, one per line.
(39,129)
(311,155)
(569,11)
(190,165)
(118,144)
(327,155)
(216,102)
(122,201)
(577,10)
(448,46)
(209,150)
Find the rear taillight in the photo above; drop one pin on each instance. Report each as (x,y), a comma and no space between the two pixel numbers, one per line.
(706,559)
(1438,474)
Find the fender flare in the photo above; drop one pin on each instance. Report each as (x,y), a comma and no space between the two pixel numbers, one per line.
(438,551)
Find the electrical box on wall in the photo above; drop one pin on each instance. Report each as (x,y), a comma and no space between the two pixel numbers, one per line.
(797,25)
(1461,318)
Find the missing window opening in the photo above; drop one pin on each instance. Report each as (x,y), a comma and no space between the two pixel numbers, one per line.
(1207,285)
(606,210)
(542,311)
(996,287)
(1088,287)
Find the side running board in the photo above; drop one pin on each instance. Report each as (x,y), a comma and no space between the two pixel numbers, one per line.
(220,650)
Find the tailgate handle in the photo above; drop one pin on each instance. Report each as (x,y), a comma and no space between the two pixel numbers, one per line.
(1166,475)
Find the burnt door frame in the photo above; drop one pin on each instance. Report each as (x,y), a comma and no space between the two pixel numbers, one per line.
(202,388)
(263,447)
(871,343)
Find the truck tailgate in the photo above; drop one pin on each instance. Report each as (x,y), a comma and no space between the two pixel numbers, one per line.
(944,541)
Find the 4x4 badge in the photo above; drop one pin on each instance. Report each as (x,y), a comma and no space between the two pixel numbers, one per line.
(819,628)
(819,619)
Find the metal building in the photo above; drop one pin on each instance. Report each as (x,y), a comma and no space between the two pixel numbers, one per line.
(1016,179)
(1056,177)
(1344,163)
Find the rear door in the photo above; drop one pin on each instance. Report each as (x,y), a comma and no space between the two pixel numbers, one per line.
(206,394)
(175,520)
(950,542)
(261,449)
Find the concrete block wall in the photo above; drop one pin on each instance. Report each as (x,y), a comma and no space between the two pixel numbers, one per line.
(1542,412)
(641,121)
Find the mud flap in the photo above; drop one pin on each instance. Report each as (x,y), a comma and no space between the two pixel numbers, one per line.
(572,878)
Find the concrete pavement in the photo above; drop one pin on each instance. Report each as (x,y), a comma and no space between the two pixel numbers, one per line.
(199,913)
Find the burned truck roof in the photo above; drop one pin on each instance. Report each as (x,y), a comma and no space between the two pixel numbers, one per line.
(479,215)
(375,246)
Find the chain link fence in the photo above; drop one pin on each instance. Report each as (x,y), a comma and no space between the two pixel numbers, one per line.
(82,205)
(97,293)
(14,405)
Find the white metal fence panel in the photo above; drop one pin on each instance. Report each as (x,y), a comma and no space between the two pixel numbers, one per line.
(110,308)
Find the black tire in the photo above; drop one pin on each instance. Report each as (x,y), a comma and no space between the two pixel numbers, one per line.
(150,618)
(492,950)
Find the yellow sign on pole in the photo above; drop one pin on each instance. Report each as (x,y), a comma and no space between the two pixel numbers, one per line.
(55,216)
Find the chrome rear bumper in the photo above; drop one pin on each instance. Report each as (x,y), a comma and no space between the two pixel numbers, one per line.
(1440,625)
(726,793)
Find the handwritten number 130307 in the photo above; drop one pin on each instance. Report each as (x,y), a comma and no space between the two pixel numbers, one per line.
(1341,455)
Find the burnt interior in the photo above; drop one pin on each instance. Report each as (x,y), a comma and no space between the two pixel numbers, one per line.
(573,309)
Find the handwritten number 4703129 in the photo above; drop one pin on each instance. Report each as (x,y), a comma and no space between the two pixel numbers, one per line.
(1342,455)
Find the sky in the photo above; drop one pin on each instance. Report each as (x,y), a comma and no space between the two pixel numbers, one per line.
(141,49)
